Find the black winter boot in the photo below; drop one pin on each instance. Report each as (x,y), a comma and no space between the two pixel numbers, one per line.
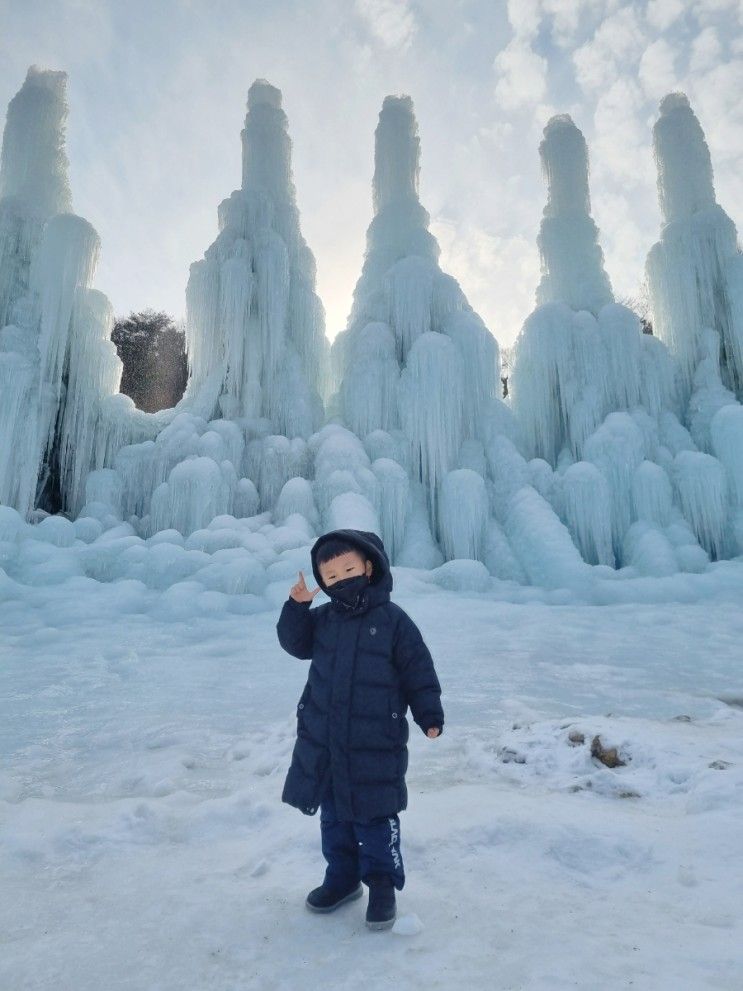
(326,899)
(381,910)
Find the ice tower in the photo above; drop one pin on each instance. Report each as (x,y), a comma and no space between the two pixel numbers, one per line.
(416,370)
(695,271)
(56,358)
(599,407)
(572,260)
(579,356)
(257,357)
(255,327)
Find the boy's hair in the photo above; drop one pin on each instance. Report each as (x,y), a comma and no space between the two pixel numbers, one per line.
(334,548)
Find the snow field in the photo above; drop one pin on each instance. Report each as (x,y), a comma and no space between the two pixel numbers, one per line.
(144,842)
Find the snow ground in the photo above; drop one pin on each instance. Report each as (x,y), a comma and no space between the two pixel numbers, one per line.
(144,846)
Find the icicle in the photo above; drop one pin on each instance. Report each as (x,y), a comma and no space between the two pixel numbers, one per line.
(408,289)
(726,429)
(193,495)
(649,551)
(369,390)
(393,503)
(349,509)
(509,472)
(296,497)
(541,542)
(463,514)
(66,260)
(617,448)
(419,549)
(481,362)
(709,393)
(587,503)
(651,494)
(94,373)
(19,459)
(431,402)
(701,483)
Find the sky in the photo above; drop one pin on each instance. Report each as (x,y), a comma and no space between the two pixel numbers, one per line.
(157,96)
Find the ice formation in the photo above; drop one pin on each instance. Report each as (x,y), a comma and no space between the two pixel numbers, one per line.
(617,454)
(57,362)
(255,327)
(415,362)
(572,260)
(635,482)
(695,271)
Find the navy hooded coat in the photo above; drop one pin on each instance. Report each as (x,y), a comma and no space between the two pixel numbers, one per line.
(368,665)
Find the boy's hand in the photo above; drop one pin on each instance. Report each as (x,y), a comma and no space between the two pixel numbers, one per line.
(300,593)
(433,732)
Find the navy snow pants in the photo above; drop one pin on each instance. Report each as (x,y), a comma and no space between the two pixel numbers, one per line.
(354,850)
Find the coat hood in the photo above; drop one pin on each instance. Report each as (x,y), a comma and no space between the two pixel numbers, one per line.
(370,545)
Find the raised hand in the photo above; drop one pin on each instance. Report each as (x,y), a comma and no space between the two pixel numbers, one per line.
(300,593)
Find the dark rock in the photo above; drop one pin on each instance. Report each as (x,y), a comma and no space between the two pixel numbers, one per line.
(608,756)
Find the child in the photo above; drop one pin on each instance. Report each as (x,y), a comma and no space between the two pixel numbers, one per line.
(369,663)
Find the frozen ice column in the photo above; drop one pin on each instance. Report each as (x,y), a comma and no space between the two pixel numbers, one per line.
(572,260)
(694,271)
(33,177)
(255,326)
(396,154)
(56,359)
(416,370)
(33,168)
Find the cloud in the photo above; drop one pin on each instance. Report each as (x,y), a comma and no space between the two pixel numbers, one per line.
(391,22)
(661,14)
(157,97)
(706,51)
(657,69)
(617,43)
(522,76)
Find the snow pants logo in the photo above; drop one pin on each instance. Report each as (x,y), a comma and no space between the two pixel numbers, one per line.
(394,837)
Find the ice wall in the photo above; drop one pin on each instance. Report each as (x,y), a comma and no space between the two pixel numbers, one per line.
(56,359)
(695,271)
(608,460)
(572,260)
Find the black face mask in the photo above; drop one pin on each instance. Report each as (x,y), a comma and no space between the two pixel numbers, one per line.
(348,590)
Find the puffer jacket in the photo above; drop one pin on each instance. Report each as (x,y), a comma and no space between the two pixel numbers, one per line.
(369,664)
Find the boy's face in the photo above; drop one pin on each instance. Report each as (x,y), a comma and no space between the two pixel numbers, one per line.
(346,565)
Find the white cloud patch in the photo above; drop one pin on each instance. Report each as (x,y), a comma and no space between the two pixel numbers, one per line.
(661,14)
(706,50)
(657,70)
(522,76)
(391,22)
(618,42)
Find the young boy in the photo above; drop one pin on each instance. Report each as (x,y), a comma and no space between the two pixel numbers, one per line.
(369,663)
